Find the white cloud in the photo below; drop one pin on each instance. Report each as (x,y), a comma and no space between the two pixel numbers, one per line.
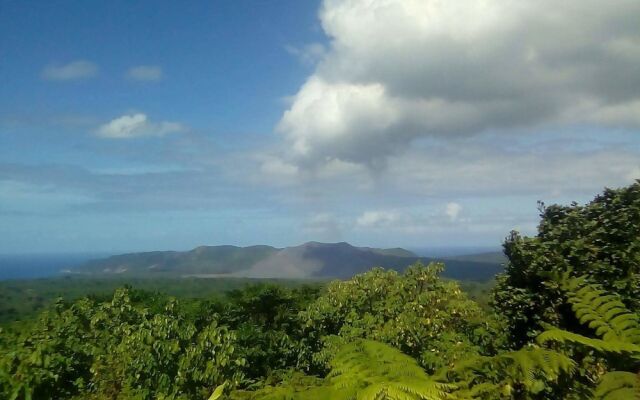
(75,70)
(337,120)
(378,219)
(486,171)
(148,73)
(398,70)
(137,125)
(452,210)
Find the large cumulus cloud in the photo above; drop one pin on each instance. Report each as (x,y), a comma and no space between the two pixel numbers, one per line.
(397,70)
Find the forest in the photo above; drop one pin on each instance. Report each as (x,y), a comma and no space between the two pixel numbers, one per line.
(561,322)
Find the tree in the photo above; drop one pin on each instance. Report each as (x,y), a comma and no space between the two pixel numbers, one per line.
(417,312)
(117,350)
(600,240)
(265,321)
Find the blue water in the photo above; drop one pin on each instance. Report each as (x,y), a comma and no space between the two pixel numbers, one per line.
(29,266)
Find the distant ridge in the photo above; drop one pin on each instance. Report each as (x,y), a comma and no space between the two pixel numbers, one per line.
(309,260)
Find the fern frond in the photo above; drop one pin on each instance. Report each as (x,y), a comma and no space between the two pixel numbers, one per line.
(526,366)
(618,385)
(529,364)
(401,391)
(603,312)
(376,371)
(603,346)
(480,391)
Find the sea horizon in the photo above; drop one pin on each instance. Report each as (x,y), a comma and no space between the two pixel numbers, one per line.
(41,265)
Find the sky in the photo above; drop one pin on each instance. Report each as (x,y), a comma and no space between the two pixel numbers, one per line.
(153,125)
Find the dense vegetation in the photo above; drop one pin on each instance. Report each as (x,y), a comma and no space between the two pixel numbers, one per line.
(22,299)
(564,324)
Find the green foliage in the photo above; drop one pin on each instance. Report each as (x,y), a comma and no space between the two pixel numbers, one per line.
(373,370)
(480,292)
(22,299)
(604,346)
(265,320)
(365,370)
(617,327)
(526,371)
(602,312)
(423,316)
(618,386)
(600,240)
(415,313)
(218,392)
(119,351)
(606,315)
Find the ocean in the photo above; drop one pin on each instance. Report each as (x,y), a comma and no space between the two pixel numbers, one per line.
(29,266)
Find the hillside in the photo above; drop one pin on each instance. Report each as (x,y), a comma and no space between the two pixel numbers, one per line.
(310,260)
(201,260)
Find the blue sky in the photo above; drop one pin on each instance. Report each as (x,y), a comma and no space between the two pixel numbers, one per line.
(166,125)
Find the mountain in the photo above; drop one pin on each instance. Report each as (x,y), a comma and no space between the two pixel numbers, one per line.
(310,260)
(396,251)
(201,260)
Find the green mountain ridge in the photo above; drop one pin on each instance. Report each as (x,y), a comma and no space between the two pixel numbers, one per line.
(309,260)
